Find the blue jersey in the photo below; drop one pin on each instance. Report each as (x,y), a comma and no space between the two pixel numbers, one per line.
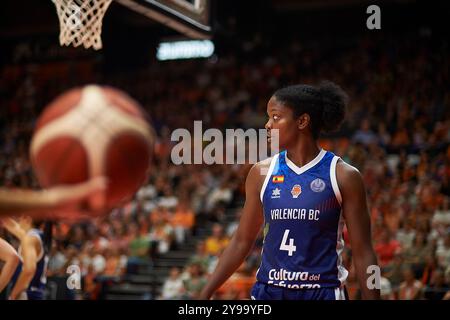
(36,288)
(303,224)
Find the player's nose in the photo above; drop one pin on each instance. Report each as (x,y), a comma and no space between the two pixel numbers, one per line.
(268,125)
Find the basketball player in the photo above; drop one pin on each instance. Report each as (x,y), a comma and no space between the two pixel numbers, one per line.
(302,195)
(59,202)
(10,259)
(29,279)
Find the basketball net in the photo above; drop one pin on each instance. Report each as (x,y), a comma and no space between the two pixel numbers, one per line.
(80,22)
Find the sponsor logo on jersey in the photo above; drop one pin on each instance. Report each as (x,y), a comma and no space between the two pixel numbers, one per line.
(277,179)
(317,185)
(276,193)
(293,279)
(283,274)
(296,191)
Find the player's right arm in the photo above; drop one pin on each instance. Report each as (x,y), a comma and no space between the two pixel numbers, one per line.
(10,259)
(243,239)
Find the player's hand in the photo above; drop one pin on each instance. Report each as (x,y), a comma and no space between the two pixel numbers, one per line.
(77,202)
(90,194)
(13,227)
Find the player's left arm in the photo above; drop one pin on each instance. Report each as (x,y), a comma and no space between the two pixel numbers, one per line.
(356,214)
(29,246)
(10,259)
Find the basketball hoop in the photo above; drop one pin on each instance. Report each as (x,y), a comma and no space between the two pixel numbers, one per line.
(80,22)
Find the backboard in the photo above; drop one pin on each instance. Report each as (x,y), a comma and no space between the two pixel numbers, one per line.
(189,17)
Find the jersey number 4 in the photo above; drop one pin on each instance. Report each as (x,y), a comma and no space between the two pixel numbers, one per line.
(290,248)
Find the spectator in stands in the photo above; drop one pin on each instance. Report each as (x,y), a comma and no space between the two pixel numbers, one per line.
(438,288)
(90,286)
(417,254)
(201,256)
(410,288)
(234,224)
(71,254)
(443,252)
(221,194)
(194,283)
(431,266)
(168,199)
(161,236)
(386,291)
(113,263)
(121,239)
(182,221)
(86,255)
(143,223)
(99,261)
(173,285)
(442,215)
(384,137)
(57,260)
(365,135)
(406,235)
(387,248)
(394,271)
(217,241)
(139,251)
(76,237)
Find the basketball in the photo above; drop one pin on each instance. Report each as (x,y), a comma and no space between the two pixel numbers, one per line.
(93,131)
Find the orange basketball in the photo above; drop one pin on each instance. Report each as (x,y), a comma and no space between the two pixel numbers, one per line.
(93,131)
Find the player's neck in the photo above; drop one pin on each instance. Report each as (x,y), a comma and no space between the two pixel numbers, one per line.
(303,152)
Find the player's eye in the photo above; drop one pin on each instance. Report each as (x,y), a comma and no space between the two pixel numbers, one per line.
(276,117)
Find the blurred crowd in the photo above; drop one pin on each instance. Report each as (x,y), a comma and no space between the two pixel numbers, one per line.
(397,133)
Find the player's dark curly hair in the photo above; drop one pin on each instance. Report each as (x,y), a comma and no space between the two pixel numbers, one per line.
(325,104)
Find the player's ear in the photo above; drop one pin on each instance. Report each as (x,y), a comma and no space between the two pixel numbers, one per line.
(303,121)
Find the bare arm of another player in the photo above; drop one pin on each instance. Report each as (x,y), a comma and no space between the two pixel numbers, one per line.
(10,258)
(64,200)
(357,219)
(244,237)
(29,247)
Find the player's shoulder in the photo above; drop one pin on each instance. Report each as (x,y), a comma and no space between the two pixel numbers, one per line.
(346,169)
(262,167)
(35,233)
(347,174)
(265,163)
(259,170)
(34,237)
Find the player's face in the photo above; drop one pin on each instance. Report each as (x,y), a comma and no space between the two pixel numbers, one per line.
(281,118)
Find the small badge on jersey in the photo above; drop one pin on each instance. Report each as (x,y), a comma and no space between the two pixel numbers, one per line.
(277,179)
(317,185)
(296,191)
(276,193)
